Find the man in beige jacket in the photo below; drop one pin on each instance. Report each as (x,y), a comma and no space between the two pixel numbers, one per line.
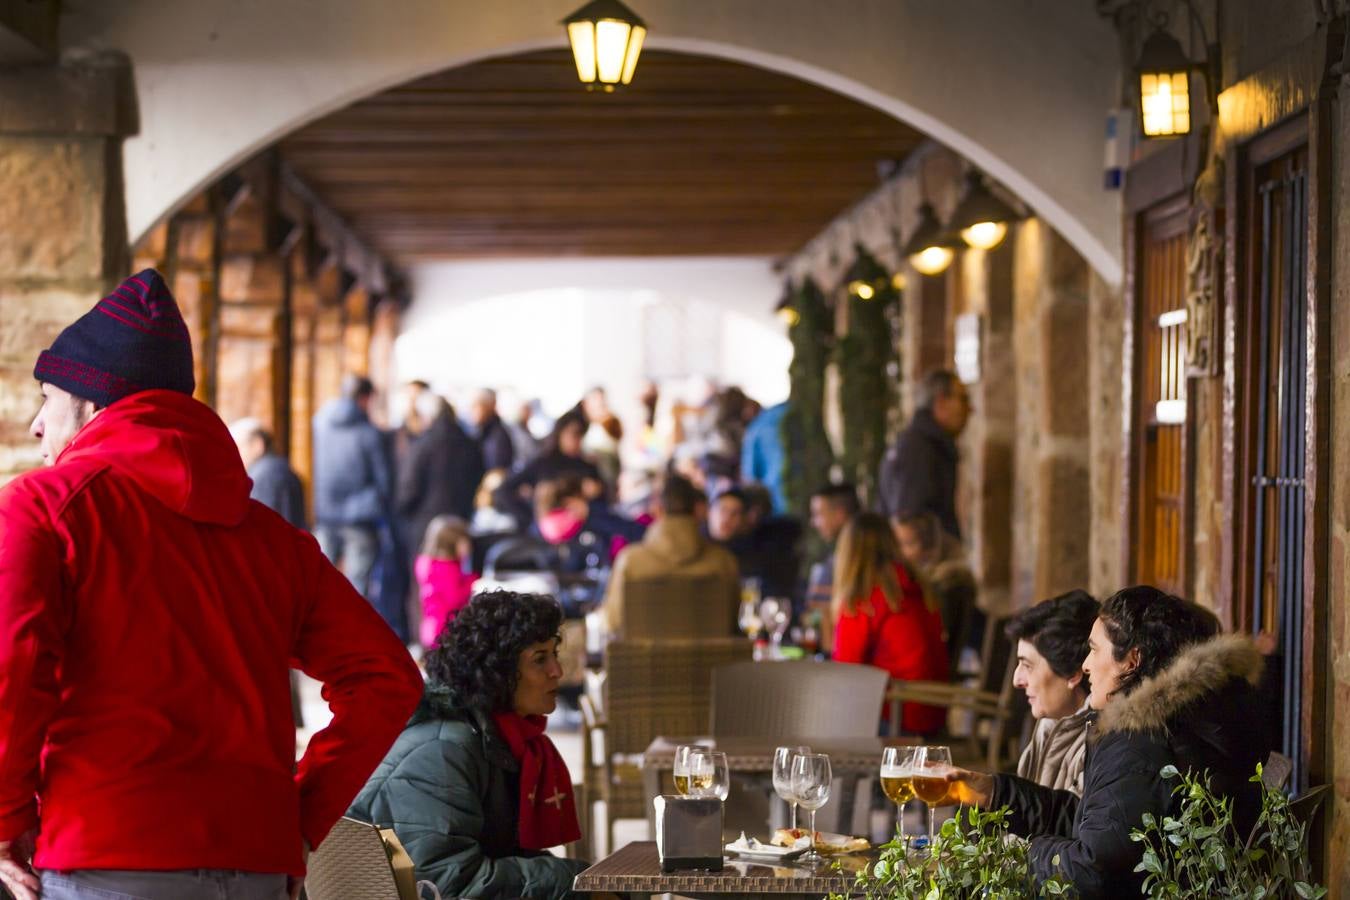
(673,546)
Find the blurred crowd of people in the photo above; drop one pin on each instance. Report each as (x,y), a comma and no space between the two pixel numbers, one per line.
(450,501)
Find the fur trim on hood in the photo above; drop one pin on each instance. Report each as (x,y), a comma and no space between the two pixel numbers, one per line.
(1199,670)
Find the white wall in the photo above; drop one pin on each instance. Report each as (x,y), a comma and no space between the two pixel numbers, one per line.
(1019,87)
(553,328)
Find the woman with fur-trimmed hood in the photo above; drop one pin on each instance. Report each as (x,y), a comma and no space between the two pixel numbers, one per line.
(1165,691)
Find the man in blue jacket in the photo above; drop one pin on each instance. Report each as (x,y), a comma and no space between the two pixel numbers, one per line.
(353,482)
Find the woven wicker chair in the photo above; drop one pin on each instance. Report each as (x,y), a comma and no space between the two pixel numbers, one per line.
(797,700)
(351,864)
(652,688)
(673,607)
(995,707)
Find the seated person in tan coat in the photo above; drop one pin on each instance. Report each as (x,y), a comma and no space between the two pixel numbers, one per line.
(673,547)
(1052,641)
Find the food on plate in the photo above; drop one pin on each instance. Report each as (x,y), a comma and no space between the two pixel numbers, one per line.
(825,841)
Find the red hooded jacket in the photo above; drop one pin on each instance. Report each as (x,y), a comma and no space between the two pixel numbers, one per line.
(149,611)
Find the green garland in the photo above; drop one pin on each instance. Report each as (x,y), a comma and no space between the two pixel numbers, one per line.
(807,462)
(868,362)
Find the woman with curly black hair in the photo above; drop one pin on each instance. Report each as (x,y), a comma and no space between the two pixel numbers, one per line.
(1166,689)
(474,789)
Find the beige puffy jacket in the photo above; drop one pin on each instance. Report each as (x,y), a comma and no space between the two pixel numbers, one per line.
(672,546)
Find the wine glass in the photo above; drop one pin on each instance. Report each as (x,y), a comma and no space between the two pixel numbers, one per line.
(702,771)
(931,765)
(749,619)
(811,778)
(710,775)
(681,768)
(782,777)
(775,613)
(897,781)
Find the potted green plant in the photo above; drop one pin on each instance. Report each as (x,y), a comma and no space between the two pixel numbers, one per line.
(973,858)
(1199,852)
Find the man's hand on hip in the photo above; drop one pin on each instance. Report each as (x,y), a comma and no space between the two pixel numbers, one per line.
(293,884)
(16,869)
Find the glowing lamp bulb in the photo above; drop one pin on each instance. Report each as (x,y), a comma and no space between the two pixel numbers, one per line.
(984,235)
(932,260)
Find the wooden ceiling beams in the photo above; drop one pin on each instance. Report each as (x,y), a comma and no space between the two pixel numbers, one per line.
(511,157)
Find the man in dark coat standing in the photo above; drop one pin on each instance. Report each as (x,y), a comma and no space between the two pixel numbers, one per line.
(441,473)
(918,473)
(490,432)
(275,484)
(353,482)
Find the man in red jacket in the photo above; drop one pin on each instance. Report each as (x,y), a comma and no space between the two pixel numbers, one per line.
(149,613)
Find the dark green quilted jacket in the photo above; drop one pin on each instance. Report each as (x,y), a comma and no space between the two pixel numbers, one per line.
(450,789)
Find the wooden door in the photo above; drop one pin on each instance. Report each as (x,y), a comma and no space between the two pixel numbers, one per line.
(1159,531)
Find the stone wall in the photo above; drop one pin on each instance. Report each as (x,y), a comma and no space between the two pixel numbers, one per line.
(62,225)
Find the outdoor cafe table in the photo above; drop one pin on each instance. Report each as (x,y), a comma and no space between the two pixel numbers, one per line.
(849,757)
(636,869)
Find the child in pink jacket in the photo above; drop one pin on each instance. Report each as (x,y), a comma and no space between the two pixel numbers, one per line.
(442,579)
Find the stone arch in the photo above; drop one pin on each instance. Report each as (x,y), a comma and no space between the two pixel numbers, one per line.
(1019,99)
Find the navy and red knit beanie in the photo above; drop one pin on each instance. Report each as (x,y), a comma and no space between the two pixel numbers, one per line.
(133,340)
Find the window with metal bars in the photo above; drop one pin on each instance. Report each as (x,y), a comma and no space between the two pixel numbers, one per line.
(1270,578)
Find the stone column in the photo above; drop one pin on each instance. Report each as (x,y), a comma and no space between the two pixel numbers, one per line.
(1106,330)
(63,241)
(329,327)
(1027,354)
(1051,505)
(254,312)
(1063,516)
(988,445)
(305,306)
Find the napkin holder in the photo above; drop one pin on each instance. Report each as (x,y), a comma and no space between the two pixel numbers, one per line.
(689,833)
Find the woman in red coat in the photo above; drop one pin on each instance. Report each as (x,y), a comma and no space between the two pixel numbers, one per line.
(882,617)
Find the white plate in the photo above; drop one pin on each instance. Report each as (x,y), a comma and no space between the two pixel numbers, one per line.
(770,852)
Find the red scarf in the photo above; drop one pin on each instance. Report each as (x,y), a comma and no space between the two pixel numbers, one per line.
(548,812)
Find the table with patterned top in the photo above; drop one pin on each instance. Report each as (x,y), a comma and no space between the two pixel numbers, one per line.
(636,869)
(849,758)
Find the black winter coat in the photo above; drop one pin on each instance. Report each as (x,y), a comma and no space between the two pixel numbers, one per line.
(439,476)
(499,452)
(1198,714)
(918,473)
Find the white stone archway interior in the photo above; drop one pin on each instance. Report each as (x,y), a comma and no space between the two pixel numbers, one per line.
(1021,89)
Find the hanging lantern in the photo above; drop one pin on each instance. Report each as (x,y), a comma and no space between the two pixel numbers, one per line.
(606,38)
(866,277)
(930,249)
(1164,86)
(861,289)
(898,281)
(981,217)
